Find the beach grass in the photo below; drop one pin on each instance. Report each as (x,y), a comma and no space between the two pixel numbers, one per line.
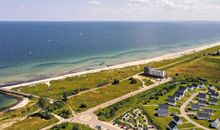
(101,95)
(31,123)
(83,82)
(206,67)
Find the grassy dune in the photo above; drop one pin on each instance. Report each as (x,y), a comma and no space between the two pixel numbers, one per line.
(207,67)
(96,97)
(85,82)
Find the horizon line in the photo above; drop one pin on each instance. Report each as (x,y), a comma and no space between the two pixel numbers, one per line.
(109,20)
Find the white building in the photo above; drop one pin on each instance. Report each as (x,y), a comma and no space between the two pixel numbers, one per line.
(154,72)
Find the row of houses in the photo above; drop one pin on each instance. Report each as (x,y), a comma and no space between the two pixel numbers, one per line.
(181,93)
(205,114)
(214,96)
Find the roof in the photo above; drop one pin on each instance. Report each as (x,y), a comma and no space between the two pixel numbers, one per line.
(190,87)
(213,100)
(162,106)
(208,110)
(180,93)
(202,95)
(215,123)
(181,89)
(194,106)
(203,114)
(162,112)
(202,101)
(215,94)
(195,85)
(211,91)
(172,124)
(171,100)
(176,118)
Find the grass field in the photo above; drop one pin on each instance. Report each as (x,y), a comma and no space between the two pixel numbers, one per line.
(206,67)
(131,102)
(31,123)
(96,97)
(84,82)
(71,126)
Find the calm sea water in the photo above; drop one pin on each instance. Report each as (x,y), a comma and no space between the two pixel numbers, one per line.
(6,101)
(36,50)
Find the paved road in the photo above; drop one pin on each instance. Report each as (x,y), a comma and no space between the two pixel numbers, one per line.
(89,118)
(184,114)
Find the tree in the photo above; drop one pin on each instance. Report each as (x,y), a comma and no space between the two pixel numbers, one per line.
(42,102)
(64,97)
(133,81)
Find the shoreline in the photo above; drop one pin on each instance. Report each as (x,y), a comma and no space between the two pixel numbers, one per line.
(117,66)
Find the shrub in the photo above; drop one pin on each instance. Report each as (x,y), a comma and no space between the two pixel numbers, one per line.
(116,81)
(82,105)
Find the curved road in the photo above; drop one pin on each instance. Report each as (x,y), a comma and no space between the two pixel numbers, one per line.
(184,114)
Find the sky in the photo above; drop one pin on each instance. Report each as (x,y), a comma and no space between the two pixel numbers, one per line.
(109,10)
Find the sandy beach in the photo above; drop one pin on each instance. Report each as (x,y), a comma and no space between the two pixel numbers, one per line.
(21,104)
(139,62)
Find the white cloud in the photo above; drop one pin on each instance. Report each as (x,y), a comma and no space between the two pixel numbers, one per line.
(95,2)
(175,4)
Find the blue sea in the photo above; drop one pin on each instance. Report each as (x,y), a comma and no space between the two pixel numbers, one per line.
(36,50)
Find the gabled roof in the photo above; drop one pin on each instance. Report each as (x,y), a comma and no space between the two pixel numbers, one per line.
(202,95)
(195,85)
(195,107)
(202,101)
(162,112)
(190,86)
(211,91)
(215,94)
(163,106)
(208,110)
(181,89)
(215,123)
(172,124)
(213,100)
(171,100)
(176,118)
(203,114)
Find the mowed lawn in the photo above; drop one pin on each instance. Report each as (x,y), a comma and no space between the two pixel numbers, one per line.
(207,67)
(96,97)
(162,122)
(31,123)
